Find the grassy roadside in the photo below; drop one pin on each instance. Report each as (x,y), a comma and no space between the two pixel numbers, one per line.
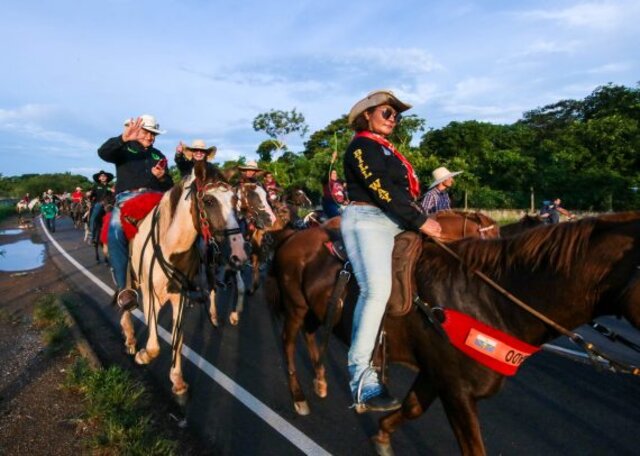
(116,417)
(6,212)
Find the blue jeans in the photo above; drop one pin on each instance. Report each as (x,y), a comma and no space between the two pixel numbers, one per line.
(95,211)
(117,241)
(369,235)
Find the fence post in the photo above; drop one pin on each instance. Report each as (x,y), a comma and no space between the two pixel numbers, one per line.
(533,200)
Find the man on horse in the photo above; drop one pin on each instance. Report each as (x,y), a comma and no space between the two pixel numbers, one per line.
(140,168)
(100,189)
(551,211)
(437,199)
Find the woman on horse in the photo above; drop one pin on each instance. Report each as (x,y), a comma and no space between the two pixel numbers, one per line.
(99,190)
(383,188)
(186,156)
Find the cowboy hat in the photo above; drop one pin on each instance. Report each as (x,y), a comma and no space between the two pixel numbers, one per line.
(96,176)
(149,123)
(198,144)
(377,98)
(442,174)
(251,165)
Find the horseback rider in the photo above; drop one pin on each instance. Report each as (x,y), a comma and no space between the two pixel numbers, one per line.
(77,195)
(437,199)
(99,191)
(383,188)
(186,156)
(551,210)
(140,168)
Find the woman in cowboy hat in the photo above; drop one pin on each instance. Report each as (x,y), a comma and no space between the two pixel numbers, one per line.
(99,190)
(382,189)
(437,198)
(249,173)
(186,156)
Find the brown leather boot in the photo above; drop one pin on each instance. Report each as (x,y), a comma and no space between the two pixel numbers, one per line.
(127,299)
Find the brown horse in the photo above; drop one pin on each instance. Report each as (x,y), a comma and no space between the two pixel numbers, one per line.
(569,272)
(525,223)
(306,272)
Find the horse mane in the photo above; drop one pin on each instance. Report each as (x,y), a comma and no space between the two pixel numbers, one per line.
(554,247)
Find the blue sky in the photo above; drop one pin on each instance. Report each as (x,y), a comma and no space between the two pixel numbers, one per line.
(73,71)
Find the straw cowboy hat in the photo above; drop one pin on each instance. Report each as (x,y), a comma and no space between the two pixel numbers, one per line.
(442,174)
(199,144)
(251,165)
(149,123)
(96,176)
(377,98)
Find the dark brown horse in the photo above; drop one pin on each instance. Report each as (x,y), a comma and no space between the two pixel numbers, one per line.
(525,223)
(306,272)
(569,272)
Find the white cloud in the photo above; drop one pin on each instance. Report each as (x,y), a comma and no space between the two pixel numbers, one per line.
(407,60)
(599,15)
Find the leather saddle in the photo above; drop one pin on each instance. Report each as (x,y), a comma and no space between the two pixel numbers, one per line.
(407,249)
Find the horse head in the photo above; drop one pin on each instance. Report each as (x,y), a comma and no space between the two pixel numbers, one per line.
(297,197)
(213,211)
(461,224)
(253,204)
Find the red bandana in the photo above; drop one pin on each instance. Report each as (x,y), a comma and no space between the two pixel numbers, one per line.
(414,185)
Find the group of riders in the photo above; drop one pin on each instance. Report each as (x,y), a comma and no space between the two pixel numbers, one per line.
(383,199)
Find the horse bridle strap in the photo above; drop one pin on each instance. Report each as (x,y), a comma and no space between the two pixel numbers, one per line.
(576,338)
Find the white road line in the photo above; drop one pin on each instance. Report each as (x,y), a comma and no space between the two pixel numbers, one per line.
(282,426)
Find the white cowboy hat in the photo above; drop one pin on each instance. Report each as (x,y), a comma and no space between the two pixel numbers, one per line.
(251,165)
(149,123)
(376,98)
(442,174)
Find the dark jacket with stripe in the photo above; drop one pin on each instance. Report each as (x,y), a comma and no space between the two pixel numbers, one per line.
(374,175)
(133,165)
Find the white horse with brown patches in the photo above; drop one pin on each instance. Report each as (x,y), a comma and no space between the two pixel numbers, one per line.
(165,260)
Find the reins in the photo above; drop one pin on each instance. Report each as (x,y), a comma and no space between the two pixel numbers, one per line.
(589,348)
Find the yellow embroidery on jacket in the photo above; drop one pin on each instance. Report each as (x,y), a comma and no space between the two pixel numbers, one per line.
(382,193)
(364,169)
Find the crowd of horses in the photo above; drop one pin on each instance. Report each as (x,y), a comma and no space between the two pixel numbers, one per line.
(571,273)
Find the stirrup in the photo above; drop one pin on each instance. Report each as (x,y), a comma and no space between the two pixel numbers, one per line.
(358,405)
(130,304)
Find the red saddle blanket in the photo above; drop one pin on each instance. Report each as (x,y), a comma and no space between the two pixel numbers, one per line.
(493,348)
(131,212)
(135,209)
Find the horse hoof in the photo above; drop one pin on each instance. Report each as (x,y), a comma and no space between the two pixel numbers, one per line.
(320,387)
(234,318)
(214,322)
(130,349)
(382,449)
(182,398)
(302,408)
(143,357)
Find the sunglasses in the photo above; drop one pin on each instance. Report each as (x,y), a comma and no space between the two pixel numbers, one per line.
(387,113)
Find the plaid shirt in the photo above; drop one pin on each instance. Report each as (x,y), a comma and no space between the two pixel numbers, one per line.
(435,201)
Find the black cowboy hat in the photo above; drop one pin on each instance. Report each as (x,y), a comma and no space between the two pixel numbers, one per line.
(96,176)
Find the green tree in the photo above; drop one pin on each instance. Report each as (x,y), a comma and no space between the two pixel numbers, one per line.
(279,124)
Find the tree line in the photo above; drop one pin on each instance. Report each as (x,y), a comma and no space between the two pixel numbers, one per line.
(585,152)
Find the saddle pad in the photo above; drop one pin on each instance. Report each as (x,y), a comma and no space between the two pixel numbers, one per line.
(104,231)
(406,251)
(135,209)
(489,346)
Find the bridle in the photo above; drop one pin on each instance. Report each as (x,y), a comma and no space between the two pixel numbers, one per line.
(204,226)
(481,229)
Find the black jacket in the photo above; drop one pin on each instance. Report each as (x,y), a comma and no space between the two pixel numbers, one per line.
(99,191)
(375,175)
(133,165)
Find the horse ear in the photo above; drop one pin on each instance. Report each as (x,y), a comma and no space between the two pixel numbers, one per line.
(200,170)
(229,173)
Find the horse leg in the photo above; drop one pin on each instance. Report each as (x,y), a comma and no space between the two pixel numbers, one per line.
(213,310)
(129,335)
(151,308)
(420,397)
(292,325)
(234,316)
(180,387)
(320,382)
(255,272)
(462,413)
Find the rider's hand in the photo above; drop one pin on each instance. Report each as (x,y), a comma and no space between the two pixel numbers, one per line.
(158,171)
(179,148)
(132,130)
(431,228)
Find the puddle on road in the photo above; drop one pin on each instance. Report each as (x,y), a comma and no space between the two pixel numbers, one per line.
(10,232)
(21,256)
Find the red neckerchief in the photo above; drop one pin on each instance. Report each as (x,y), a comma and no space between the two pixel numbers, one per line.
(414,184)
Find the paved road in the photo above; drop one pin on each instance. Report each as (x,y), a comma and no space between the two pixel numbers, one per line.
(240,402)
